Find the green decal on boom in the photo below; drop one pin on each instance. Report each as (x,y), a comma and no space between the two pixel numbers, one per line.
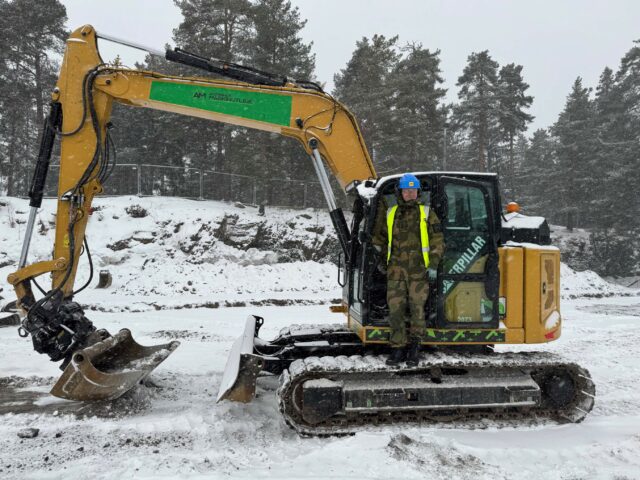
(260,106)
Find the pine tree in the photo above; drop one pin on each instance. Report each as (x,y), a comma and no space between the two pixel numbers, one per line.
(512,188)
(539,178)
(418,116)
(619,142)
(627,140)
(512,117)
(478,108)
(577,154)
(32,31)
(276,46)
(364,87)
(609,115)
(31,34)
(216,29)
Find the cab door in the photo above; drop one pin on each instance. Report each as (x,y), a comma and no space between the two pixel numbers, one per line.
(468,277)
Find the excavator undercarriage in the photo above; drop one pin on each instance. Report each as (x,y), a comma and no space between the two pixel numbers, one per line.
(332,384)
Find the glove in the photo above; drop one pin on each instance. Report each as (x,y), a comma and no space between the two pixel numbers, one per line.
(432,274)
(382,267)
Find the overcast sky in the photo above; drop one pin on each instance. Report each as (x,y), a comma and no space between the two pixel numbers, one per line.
(555,41)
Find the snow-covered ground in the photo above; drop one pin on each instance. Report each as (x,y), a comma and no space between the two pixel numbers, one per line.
(173,428)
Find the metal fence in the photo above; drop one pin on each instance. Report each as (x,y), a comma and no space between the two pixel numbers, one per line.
(162,180)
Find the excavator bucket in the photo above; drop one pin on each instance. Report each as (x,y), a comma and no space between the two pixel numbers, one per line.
(108,369)
(243,366)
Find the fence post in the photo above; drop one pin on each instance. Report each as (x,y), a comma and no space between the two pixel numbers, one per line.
(139,179)
(255,192)
(201,184)
(304,196)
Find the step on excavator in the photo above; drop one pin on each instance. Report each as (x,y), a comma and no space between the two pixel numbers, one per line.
(498,284)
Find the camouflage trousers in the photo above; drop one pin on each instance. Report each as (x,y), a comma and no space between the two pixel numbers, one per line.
(400,295)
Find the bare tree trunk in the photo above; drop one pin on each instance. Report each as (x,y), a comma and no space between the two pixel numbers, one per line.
(39,94)
(11,188)
(219,158)
(481,149)
(511,165)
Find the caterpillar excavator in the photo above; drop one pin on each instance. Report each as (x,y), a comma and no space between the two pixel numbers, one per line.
(492,288)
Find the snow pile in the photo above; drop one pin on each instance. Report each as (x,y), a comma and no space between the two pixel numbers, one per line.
(169,252)
(517,220)
(589,284)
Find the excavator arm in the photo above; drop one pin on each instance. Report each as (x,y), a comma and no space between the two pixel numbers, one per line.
(80,115)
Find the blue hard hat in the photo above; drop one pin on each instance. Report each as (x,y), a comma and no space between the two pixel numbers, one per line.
(408,181)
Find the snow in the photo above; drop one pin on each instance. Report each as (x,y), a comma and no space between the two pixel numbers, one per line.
(173,427)
(575,284)
(367,192)
(179,256)
(383,180)
(511,243)
(196,438)
(518,220)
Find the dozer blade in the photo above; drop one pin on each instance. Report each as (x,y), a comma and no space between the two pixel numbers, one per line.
(108,369)
(243,366)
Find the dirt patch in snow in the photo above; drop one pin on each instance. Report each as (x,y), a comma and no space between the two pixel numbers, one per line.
(190,335)
(441,457)
(619,310)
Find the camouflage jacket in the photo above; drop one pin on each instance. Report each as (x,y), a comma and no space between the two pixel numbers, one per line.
(406,261)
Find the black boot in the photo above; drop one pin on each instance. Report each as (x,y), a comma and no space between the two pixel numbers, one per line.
(396,356)
(413,353)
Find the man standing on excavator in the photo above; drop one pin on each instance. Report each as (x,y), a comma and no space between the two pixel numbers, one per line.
(408,235)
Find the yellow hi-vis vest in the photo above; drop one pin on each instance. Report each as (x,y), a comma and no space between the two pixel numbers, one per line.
(424,233)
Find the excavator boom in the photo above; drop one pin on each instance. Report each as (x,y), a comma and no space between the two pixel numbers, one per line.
(80,113)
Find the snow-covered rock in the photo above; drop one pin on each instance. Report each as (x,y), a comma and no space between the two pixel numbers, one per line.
(169,252)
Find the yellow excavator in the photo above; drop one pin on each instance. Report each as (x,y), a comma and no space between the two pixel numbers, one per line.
(498,283)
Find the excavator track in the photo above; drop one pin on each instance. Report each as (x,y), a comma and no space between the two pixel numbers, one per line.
(323,396)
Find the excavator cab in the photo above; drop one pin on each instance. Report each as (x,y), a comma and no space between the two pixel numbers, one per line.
(466,292)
